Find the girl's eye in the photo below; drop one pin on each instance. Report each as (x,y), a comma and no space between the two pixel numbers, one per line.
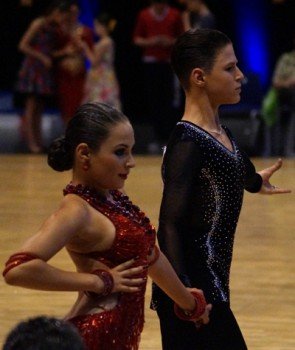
(120,152)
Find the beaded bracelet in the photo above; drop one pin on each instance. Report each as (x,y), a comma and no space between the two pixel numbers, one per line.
(108,282)
(196,313)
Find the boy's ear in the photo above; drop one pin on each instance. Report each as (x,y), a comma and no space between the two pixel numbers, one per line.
(197,77)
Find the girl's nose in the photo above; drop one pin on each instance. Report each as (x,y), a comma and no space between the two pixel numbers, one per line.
(131,162)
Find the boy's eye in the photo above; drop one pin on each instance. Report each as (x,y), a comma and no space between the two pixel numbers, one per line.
(120,152)
(230,68)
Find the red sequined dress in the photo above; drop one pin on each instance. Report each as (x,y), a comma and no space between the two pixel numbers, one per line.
(119,328)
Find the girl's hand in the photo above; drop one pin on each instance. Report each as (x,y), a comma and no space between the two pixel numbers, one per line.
(204,319)
(46,61)
(79,43)
(69,50)
(123,278)
(266,174)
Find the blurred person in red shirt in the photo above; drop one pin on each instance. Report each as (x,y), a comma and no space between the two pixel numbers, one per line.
(70,69)
(156,30)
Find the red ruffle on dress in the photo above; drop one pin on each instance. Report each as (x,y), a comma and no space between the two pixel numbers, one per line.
(119,328)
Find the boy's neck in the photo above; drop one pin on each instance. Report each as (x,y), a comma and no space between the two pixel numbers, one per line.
(201,113)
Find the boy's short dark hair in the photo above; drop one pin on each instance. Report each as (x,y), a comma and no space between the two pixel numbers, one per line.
(196,48)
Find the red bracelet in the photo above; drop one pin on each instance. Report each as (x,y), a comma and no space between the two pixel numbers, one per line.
(18,259)
(108,282)
(196,313)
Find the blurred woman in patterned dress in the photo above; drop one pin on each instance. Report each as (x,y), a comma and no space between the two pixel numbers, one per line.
(35,78)
(101,83)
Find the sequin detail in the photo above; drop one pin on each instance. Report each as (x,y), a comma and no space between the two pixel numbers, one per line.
(119,328)
(215,220)
(209,201)
(221,191)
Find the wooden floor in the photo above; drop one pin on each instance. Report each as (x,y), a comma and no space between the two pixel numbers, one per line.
(263,270)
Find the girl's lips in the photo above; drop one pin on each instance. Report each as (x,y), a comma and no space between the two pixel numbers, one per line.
(123,176)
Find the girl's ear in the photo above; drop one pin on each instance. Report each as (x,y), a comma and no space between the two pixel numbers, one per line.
(83,152)
(197,77)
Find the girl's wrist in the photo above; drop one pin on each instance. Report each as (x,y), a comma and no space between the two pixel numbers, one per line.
(196,313)
(190,304)
(104,282)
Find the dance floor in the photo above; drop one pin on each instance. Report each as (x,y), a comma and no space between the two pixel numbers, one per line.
(263,269)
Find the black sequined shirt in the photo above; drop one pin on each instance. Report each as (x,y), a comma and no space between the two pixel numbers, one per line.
(202,198)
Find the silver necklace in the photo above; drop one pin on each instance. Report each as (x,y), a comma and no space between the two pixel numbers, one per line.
(219,132)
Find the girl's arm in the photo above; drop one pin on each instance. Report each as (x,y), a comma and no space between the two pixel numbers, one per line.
(94,55)
(25,42)
(162,273)
(165,277)
(72,218)
(67,50)
(185,20)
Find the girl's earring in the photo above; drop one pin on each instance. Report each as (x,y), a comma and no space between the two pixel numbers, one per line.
(85,166)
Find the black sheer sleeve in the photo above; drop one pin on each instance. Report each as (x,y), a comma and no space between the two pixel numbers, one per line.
(253,181)
(181,166)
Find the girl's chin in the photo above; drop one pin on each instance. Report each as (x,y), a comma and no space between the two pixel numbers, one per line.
(118,185)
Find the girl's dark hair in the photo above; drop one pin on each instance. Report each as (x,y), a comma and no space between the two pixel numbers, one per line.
(159,1)
(196,48)
(106,20)
(91,124)
(61,5)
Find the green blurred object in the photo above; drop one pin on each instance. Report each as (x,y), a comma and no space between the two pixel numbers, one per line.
(269,109)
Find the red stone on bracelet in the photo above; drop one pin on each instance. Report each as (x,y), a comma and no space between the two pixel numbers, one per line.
(108,282)
(196,313)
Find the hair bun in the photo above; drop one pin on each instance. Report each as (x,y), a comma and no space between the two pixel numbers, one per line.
(59,157)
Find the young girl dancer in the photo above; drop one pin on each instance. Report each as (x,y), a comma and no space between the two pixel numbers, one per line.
(110,240)
(101,82)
